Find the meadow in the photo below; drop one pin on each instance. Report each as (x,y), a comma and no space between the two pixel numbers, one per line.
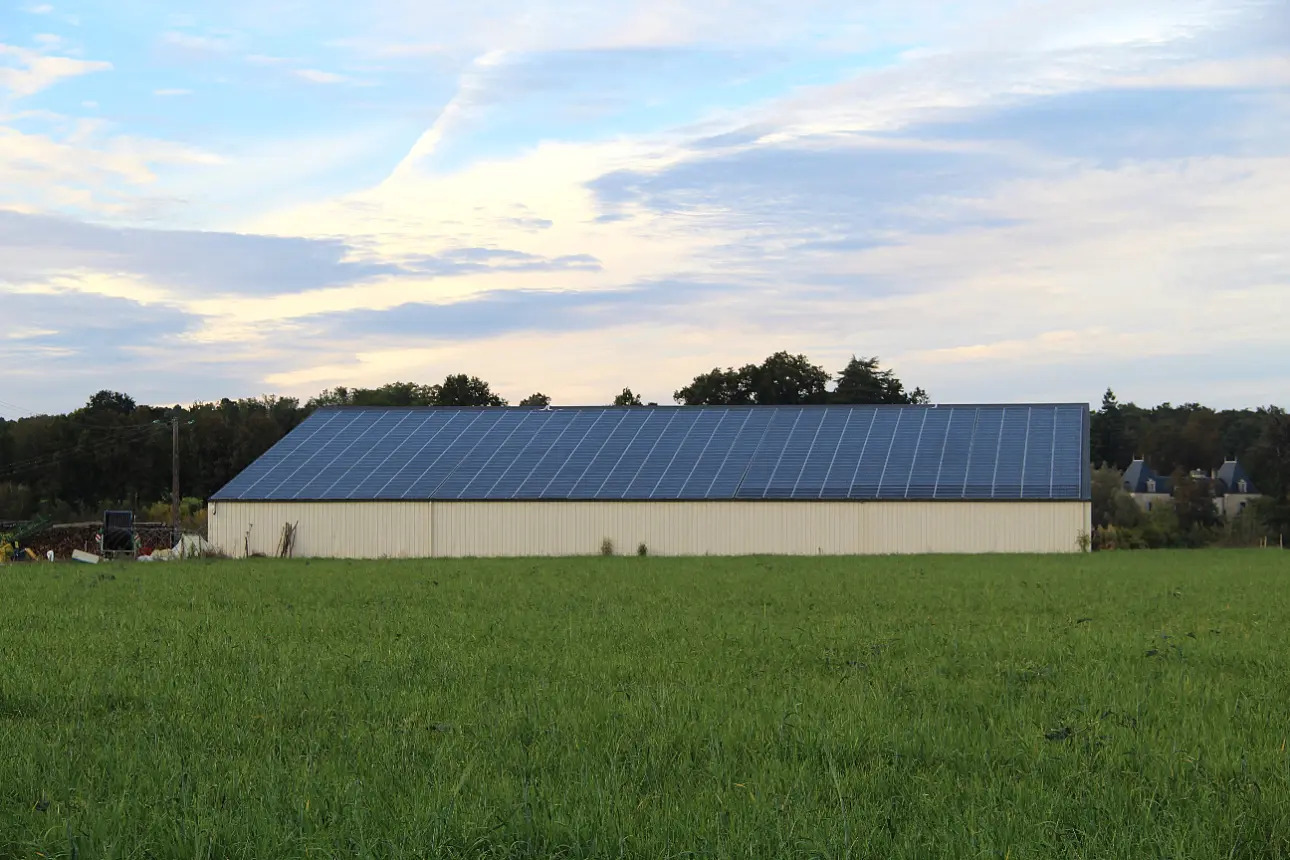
(1108,705)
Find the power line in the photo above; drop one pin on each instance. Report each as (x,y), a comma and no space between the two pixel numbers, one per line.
(16,408)
(130,434)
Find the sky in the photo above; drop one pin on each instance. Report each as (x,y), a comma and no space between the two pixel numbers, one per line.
(1004,200)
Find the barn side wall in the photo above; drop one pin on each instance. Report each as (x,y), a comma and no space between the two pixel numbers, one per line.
(325,529)
(457,529)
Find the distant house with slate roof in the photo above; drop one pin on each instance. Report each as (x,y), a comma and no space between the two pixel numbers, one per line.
(1233,489)
(1147,487)
(1231,486)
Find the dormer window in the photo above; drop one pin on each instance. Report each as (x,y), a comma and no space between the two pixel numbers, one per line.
(1242,486)
(1151,485)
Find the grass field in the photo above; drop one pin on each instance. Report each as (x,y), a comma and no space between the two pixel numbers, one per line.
(1115,705)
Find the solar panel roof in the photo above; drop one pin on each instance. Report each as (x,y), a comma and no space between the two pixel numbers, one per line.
(1022,451)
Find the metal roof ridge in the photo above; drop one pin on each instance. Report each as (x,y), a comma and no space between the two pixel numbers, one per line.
(582,407)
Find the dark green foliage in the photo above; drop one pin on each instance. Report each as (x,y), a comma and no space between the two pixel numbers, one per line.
(784,379)
(71,467)
(1112,506)
(392,394)
(718,387)
(536,401)
(1269,458)
(1109,442)
(863,381)
(1115,706)
(627,398)
(16,501)
(781,379)
(110,402)
(1193,502)
(463,390)
(787,380)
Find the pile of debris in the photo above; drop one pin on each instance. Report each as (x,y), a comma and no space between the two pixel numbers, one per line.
(37,540)
(189,546)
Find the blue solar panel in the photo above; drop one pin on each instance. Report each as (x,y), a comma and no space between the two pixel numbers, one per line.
(605,454)
(809,482)
(788,468)
(874,453)
(846,457)
(481,444)
(1036,471)
(574,427)
(983,455)
(544,433)
(924,471)
(951,477)
(738,454)
(1037,451)
(700,429)
(1014,437)
(894,480)
(1071,476)
(698,484)
(769,452)
(653,466)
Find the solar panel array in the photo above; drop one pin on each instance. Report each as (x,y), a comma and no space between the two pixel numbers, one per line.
(719,452)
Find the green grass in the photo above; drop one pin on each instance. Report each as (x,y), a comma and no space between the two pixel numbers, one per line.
(1115,705)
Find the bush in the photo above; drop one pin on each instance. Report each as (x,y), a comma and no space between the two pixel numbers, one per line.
(606,547)
(642,550)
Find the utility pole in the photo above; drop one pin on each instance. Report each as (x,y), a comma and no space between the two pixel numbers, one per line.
(174,479)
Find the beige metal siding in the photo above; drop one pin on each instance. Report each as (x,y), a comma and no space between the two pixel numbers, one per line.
(455,529)
(326,529)
(747,528)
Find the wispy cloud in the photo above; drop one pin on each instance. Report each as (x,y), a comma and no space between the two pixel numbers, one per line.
(315,76)
(24,72)
(199,45)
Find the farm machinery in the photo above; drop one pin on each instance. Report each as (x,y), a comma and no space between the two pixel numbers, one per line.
(14,539)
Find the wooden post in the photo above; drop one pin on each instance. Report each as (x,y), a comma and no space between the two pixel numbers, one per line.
(174,480)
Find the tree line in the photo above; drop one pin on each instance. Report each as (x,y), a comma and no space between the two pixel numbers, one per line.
(116,453)
(1177,441)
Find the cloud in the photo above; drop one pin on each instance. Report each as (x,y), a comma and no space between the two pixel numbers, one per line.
(90,342)
(200,46)
(1121,124)
(80,339)
(265,60)
(24,72)
(517,310)
(1002,200)
(42,9)
(87,168)
(187,264)
(314,76)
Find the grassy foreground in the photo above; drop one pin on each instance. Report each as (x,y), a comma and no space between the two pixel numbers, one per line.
(1102,706)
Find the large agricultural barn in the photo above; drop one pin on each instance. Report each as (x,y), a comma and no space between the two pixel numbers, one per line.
(719,480)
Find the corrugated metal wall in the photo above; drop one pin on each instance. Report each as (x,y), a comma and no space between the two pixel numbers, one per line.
(325,529)
(420,529)
(755,528)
